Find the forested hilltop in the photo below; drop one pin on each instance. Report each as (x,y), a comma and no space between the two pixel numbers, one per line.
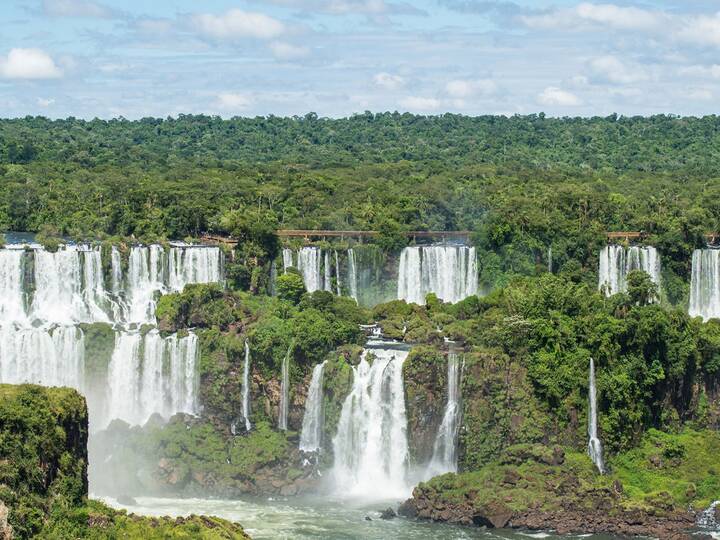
(527,175)
(525,184)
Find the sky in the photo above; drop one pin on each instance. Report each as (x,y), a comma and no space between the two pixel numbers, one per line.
(139,58)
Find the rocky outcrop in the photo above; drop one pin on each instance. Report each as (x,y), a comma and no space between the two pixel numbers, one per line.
(425,376)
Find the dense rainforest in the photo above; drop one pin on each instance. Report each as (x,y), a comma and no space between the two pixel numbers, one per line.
(523,184)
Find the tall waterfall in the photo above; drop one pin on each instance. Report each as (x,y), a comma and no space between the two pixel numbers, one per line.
(312,426)
(246,388)
(370,446)
(352,274)
(594,445)
(616,262)
(44,296)
(444,458)
(705,284)
(284,391)
(150,375)
(448,271)
(49,356)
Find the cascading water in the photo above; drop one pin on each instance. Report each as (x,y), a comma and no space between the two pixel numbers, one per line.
(616,262)
(594,445)
(370,446)
(246,388)
(446,270)
(326,265)
(311,434)
(444,458)
(705,284)
(41,342)
(284,391)
(48,356)
(144,280)
(12,290)
(193,265)
(149,374)
(708,518)
(338,288)
(309,266)
(352,274)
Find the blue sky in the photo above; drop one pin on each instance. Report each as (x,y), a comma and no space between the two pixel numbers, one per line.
(131,58)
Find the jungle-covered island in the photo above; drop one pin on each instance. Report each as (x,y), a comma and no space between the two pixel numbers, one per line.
(550,363)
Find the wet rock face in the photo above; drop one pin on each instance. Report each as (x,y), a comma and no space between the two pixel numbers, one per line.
(425,376)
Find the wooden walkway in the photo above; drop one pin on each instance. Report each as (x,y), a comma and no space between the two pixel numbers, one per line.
(316,234)
(308,235)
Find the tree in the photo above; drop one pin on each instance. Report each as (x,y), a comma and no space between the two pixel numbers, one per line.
(290,287)
(641,289)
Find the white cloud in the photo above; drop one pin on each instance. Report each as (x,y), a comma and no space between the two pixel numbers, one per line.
(28,64)
(611,69)
(233,102)
(701,30)
(389,81)
(45,102)
(236,24)
(418,103)
(606,15)
(700,94)
(461,89)
(556,96)
(76,8)
(288,51)
(706,72)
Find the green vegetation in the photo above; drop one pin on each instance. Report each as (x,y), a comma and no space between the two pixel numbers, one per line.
(666,473)
(43,465)
(523,184)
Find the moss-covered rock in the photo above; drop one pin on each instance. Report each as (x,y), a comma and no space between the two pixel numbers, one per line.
(43,472)
(425,376)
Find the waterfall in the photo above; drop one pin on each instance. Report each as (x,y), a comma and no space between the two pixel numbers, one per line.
(370,446)
(52,357)
(328,279)
(705,284)
(193,264)
(144,280)
(284,391)
(287,258)
(616,262)
(594,445)
(149,374)
(309,266)
(246,388)
(12,291)
(338,289)
(312,426)
(96,296)
(352,274)
(444,458)
(448,271)
(708,517)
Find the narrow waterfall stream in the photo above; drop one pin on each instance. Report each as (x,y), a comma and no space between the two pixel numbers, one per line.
(311,434)
(370,446)
(444,458)
(285,391)
(246,388)
(594,445)
(352,274)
